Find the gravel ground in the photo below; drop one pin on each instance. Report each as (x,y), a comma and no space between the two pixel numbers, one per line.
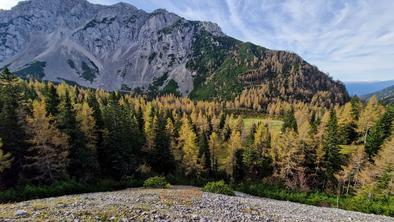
(176,204)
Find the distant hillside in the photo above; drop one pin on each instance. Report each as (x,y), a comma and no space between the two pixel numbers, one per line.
(386,95)
(364,88)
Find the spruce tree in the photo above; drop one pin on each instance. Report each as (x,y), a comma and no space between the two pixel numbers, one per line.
(11,126)
(5,159)
(332,159)
(52,100)
(78,167)
(162,161)
(203,150)
(289,121)
(379,132)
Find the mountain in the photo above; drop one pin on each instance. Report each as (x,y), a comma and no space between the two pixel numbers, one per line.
(364,88)
(386,95)
(122,47)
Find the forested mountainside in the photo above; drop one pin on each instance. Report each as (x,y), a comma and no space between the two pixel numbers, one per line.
(122,47)
(71,135)
(386,95)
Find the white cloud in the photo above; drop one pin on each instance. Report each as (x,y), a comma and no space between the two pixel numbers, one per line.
(7,4)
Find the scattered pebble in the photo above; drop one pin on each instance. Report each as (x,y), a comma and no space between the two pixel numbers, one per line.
(180,203)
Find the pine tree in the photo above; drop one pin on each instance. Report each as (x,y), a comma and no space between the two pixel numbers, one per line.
(52,100)
(369,116)
(11,126)
(122,141)
(214,148)
(187,141)
(87,124)
(5,159)
(379,132)
(289,121)
(256,157)
(377,178)
(356,107)
(148,128)
(332,159)
(79,165)
(163,161)
(233,145)
(203,150)
(46,160)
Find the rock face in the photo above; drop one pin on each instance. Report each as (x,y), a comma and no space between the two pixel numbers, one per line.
(119,46)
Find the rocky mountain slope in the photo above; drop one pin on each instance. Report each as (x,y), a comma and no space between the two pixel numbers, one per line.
(177,204)
(386,95)
(122,47)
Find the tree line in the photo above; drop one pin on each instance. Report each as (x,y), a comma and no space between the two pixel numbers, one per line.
(54,132)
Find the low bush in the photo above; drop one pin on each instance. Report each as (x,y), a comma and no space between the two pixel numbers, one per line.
(219,187)
(156,182)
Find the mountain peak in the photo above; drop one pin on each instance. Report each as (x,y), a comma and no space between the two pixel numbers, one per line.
(121,47)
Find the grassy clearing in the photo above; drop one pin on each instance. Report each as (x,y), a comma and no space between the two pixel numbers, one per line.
(275,126)
(348,149)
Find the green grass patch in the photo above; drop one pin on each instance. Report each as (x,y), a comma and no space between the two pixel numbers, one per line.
(274,126)
(348,149)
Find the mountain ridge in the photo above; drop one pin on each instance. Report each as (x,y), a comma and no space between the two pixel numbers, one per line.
(385,95)
(122,47)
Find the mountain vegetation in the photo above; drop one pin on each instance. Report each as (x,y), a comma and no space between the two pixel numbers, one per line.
(385,95)
(120,47)
(55,133)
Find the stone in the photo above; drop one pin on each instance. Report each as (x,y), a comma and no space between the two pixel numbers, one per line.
(21,213)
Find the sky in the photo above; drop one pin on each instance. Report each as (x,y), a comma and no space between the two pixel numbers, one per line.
(352,40)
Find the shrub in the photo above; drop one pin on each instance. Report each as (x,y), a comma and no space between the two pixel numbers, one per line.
(156,182)
(218,187)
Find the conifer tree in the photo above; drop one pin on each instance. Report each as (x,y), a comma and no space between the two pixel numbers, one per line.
(5,159)
(163,161)
(79,165)
(52,100)
(122,141)
(332,159)
(46,160)
(204,153)
(289,121)
(11,126)
(233,145)
(214,148)
(256,157)
(187,141)
(379,132)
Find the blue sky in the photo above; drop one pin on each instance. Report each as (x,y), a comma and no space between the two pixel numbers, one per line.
(349,39)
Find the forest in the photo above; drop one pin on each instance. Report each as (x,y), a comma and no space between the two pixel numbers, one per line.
(53,133)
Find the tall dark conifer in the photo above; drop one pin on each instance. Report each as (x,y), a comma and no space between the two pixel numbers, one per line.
(289,121)
(379,132)
(332,159)
(11,130)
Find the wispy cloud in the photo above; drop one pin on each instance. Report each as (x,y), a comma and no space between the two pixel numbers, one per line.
(352,40)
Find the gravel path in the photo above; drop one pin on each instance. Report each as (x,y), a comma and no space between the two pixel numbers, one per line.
(179,203)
